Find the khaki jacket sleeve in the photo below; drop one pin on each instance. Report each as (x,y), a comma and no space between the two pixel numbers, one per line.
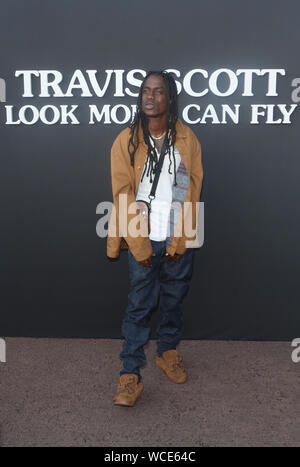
(196,178)
(122,178)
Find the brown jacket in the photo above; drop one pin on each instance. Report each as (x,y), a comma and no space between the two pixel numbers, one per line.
(125,180)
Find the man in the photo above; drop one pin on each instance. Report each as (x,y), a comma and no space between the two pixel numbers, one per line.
(160,262)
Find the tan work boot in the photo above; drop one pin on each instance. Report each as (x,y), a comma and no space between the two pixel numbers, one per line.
(170,363)
(129,390)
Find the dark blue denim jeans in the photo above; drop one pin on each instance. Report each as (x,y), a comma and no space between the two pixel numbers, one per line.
(166,282)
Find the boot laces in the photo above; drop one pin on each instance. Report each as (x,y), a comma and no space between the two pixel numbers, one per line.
(176,364)
(128,386)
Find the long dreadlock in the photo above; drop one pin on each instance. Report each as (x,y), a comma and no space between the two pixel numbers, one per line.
(172,116)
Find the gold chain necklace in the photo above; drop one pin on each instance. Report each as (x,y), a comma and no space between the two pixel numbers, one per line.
(158,137)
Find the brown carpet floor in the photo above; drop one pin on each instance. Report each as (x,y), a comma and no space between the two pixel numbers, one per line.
(58,392)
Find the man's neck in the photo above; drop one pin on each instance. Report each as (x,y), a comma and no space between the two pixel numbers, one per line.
(157,126)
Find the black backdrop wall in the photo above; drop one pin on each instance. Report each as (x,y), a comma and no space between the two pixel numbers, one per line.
(55,277)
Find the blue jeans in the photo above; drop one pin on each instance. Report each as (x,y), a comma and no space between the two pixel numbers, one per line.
(167,282)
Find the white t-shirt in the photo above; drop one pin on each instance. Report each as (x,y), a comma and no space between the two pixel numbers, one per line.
(161,204)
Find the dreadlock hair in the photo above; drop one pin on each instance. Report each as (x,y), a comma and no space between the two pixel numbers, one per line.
(172,116)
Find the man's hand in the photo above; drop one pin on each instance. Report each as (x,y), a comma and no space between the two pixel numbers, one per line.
(147,263)
(173,259)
